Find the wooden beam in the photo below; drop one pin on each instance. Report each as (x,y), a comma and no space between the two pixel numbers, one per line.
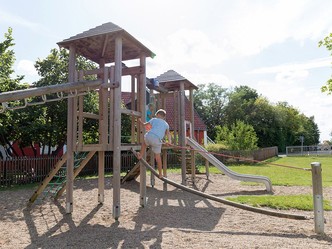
(48,178)
(133,70)
(182,134)
(127,147)
(80,114)
(131,112)
(70,135)
(117,129)
(90,147)
(90,115)
(141,108)
(192,133)
(110,85)
(65,88)
(133,107)
(104,46)
(93,71)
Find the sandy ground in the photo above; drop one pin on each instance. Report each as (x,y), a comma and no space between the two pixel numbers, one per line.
(171,219)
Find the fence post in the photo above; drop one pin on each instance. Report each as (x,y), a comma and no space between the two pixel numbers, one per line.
(317,190)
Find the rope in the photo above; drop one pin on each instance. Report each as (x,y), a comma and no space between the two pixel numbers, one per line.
(241,158)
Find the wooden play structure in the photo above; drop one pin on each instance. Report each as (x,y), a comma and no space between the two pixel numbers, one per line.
(109,46)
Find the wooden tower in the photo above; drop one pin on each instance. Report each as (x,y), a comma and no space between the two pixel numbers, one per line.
(109,46)
(177,85)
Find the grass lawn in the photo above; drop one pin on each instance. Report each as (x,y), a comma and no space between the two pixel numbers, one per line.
(280,176)
(284,176)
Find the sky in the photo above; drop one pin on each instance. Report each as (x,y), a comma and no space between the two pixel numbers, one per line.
(268,45)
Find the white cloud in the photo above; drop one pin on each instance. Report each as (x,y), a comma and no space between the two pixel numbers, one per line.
(187,46)
(306,65)
(26,67)
(292,76)
(204,78)
(17,20)
(252,26)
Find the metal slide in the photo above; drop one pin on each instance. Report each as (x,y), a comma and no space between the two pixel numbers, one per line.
(237,176)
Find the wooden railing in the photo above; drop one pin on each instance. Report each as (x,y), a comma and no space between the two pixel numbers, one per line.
(23,170)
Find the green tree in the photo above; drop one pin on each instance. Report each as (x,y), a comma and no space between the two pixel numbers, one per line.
(327,42)
(239,136)
(52,122)
(209,102)
(240,105)
(9,82)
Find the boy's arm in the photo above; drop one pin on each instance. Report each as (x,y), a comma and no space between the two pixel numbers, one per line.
(140,120)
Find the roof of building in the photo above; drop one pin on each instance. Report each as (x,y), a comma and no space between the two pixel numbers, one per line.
(99,43)
(171,81)
(170,113)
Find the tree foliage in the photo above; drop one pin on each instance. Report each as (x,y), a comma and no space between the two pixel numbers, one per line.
(327,42)
(239,136)
(9,82)
(53,117)
(274,124)
(210,101)
(46,123)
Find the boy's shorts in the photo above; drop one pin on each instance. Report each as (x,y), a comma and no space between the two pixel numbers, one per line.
(153,141)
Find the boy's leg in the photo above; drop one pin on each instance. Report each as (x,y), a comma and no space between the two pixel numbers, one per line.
(159,164)
(142,151)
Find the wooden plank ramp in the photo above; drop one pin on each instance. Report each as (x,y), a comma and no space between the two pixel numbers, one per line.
(221,200)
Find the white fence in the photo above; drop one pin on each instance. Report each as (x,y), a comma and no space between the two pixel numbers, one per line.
(307,150)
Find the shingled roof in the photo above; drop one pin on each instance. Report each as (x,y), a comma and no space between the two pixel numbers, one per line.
(99,43)
(171,81)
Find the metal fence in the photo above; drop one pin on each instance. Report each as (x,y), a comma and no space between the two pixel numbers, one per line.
(307,150)
(23,170)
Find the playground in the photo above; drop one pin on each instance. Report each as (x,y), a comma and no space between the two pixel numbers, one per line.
(109,213)
(171,219)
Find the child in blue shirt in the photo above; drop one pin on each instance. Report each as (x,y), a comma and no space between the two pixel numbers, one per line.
(153,138)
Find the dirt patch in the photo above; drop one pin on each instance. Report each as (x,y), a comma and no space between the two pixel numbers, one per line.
(172,218)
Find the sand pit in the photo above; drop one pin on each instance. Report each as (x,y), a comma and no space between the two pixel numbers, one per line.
(172,219)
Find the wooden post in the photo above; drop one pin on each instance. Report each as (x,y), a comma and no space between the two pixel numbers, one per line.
(133,107)
(192,133)
(182,135)
(164,158)
(70,135)
(142,100)
(317,190)
(117,129)
(111,110)
(80,115)
(103,133)
(176,102)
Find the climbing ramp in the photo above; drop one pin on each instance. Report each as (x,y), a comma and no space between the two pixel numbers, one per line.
(221,200)
(55,182)
(237,176)
(135,171)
